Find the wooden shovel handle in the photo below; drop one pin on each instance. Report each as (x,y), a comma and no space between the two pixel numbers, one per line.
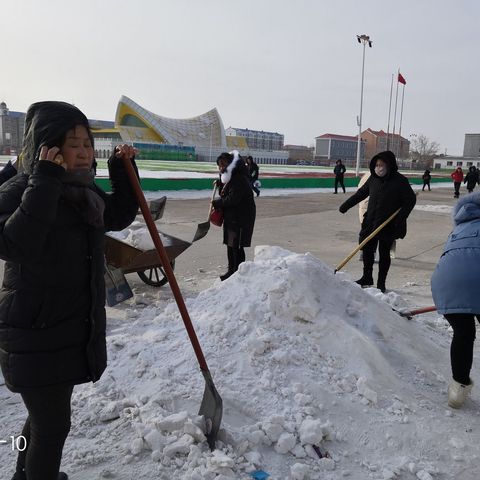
(165,262)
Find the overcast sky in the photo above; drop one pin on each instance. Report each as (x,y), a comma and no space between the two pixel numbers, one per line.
(291,66)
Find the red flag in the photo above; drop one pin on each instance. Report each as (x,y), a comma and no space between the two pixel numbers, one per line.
(401,79)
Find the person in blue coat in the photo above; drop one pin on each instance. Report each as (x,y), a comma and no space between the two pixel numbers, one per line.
(454,286)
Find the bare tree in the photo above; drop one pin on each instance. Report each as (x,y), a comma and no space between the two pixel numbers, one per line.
(422,150)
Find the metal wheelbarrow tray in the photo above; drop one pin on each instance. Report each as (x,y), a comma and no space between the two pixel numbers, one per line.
(146,263)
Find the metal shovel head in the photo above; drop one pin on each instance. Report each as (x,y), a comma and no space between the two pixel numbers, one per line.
(212,409)
(157,207)
(202,230)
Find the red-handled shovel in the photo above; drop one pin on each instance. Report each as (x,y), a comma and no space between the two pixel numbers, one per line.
(418,311)
(211,406)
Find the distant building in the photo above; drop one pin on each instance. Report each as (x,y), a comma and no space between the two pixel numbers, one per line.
(330,147)
(377,141)
(299,153)
(471,146)
(447,162)
(257,139)
(12,126)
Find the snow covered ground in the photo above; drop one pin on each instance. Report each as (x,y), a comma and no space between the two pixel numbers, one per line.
(302,358)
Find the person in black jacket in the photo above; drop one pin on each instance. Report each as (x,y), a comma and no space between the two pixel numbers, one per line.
(236,201)
(388,191)
(426,177)
(339,172)
(253,174)
(471,178)
(52,316)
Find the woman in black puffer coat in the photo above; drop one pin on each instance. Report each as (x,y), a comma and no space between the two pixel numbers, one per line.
(387,190)
(52,317)
(236,201)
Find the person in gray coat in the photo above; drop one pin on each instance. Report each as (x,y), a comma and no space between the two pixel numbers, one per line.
(454,286)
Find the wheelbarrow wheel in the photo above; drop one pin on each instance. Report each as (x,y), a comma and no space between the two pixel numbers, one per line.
(155,276)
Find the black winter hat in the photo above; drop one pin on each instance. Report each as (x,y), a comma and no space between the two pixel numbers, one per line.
(46,124)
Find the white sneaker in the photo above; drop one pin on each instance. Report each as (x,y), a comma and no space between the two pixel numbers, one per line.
(458,393)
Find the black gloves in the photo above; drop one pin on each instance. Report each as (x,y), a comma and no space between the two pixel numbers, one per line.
(342,208)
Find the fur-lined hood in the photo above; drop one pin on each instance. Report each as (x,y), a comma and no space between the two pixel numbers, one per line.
(237,164)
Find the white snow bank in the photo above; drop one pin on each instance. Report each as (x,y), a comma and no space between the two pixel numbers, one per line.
(306,363)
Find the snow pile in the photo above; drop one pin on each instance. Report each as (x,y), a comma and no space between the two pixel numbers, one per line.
(137,235)
(319,380)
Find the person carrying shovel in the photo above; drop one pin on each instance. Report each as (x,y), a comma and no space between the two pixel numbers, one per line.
(388,191)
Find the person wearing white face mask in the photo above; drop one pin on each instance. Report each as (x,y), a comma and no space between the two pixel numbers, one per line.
(387,191)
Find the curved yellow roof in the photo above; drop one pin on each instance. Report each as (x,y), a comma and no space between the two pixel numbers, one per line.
(136,124)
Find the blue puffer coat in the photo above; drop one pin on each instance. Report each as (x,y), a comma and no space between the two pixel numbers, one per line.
(456,278)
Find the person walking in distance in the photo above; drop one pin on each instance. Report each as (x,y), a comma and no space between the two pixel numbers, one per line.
(471,179)
(253,172)
(388,191)
(236,201)
(339,172)
(457,177)
(454,286)
(53,220)
(426,177)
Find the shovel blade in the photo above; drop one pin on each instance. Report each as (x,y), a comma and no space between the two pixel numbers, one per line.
(157,207)
(202,230)
(212,410)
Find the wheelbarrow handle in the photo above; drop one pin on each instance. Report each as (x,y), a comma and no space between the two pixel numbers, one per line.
(165,262)
(361,245)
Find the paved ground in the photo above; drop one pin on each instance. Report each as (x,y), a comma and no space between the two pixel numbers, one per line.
(309,223)
(306,223)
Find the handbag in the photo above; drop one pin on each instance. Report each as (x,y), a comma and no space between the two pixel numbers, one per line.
(216,217)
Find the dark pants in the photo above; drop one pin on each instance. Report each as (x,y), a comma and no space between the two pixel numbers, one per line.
(235,257)
(384,245)
(254,188)
(339,180)
(45,430)
(456,187)
(461,349)
(426,184)
(235,252)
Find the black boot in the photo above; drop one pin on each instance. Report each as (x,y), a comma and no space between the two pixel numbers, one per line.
(381,282)
(226,275)
(366,280)
(22,476)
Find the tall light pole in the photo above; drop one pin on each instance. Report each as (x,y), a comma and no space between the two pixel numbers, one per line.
(364,40)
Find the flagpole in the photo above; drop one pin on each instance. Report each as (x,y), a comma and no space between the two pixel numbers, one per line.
(401,116)
(395,115)
(389,109)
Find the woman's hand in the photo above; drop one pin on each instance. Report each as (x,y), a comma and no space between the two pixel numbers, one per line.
(125,151)
(52,155)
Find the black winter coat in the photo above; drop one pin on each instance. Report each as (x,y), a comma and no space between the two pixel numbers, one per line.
(339,170)
(239,211)
(471,178)
(386,195)
(52,314)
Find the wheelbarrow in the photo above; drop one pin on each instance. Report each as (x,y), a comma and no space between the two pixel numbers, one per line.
(146,263)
